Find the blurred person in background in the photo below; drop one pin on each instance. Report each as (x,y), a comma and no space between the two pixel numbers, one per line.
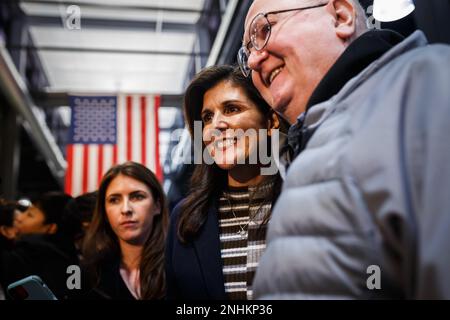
(8,232)
(42,247)
(123,249)
(77,217)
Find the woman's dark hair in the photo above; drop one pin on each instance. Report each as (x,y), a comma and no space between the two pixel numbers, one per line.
(101,245)
(77,211)
(208,181)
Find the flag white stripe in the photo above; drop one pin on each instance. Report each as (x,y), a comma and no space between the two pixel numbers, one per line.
(150,133)
(92,167)
(107,158)
(136,128)
(77,180)
(121,128)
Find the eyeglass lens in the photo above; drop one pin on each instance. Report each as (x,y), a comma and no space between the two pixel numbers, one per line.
(260,31)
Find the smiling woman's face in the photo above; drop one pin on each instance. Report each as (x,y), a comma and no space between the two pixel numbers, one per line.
(130,209)
(227,108)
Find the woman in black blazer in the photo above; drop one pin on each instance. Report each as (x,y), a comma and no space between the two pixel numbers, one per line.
(217,233)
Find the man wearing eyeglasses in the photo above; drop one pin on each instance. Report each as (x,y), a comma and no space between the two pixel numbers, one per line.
(365,211)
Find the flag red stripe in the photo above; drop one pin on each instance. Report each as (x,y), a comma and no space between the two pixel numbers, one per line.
(143,129)
(68,182)
(100,164)
(157,164)
(85,168)
(129,131)
(114,155)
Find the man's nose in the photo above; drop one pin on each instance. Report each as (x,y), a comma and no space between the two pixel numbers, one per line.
(256,58)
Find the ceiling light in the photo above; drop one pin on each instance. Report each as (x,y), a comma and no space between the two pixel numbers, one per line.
(392,10)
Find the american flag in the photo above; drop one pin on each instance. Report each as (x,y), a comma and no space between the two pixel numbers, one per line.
(107,130)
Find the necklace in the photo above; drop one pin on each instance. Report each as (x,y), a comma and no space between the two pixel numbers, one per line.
(243,229)
(254,193)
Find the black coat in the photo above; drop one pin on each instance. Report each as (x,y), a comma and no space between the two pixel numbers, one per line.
(45,256)
(195,271)
(111,284)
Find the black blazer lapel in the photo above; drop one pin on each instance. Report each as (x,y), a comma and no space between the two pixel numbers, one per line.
(207,249)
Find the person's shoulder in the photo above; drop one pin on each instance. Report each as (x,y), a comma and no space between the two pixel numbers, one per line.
(428,59)
(175,214)
(177,209)
(33,243)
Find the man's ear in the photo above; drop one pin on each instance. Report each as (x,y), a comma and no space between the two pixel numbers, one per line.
(345,14)
(273,122)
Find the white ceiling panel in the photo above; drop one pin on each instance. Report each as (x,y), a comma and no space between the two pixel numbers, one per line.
(93,72)
(105,56)
(111,72)
(112,39)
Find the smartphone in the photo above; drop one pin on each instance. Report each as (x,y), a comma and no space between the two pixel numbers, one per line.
(30,288)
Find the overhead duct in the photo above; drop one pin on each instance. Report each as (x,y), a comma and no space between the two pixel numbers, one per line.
(17,95)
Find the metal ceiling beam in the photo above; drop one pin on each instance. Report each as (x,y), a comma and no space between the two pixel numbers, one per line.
(222,32)
(116,7)
(17,95)
(87,22)
(57,99)
(231,38)
(103,50)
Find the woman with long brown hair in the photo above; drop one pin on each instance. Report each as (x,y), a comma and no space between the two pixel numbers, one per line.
(123,250)
(217,233)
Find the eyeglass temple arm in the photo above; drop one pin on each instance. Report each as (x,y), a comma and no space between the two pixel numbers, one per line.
(304,8)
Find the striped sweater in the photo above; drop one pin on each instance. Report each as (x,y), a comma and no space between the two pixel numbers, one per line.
(242,212)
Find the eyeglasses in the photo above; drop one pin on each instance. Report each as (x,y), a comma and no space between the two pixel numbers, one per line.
(259,33)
